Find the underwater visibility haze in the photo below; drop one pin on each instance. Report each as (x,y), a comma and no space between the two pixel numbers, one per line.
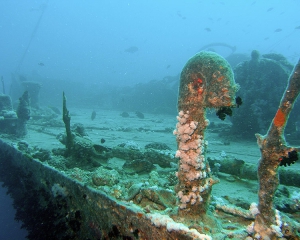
(162,119)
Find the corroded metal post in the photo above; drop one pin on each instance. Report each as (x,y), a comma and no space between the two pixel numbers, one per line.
(23,113)
(67,122)
(274,153)
(206,82)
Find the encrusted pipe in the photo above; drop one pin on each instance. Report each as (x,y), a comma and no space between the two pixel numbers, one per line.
(206,82)
(274,153)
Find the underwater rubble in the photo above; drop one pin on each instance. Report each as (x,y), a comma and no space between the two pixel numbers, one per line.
(72,187)
(81,198)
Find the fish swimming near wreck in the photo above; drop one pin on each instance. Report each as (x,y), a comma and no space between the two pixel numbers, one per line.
(132,49)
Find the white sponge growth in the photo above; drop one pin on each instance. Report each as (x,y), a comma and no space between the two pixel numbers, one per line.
(160,220)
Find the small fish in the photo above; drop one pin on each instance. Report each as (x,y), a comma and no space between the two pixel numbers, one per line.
(223,111)
(207,29)
(278,30)
(41,64)
(270,9)
(93,116)
(102,140)
(132,49)
(180,15)
(298,27)
(238,101)
(168,66)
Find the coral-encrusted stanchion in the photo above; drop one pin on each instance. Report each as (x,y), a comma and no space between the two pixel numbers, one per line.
(67,121)
(206,82)
(274,153)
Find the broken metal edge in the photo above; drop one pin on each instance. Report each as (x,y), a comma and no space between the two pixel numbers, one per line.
(99,216)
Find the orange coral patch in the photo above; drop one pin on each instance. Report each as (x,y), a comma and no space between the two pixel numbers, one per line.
(199,80)
(220,78)
(279,119)
(200,90)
